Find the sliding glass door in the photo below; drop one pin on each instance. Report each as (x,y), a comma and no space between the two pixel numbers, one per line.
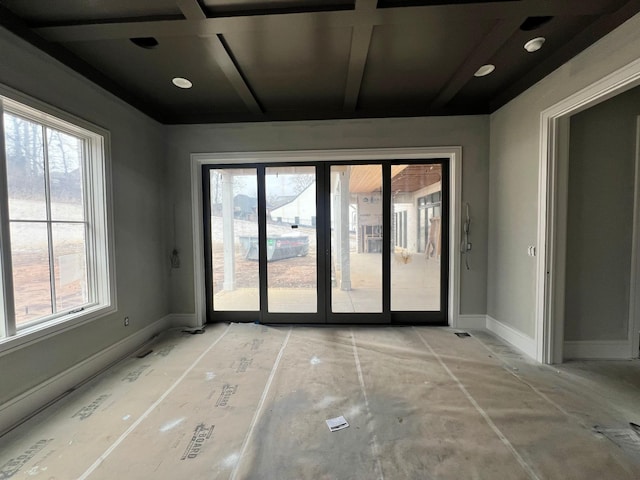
(356,239)
(291,245)
(233,239)
(327,243)
(416,211)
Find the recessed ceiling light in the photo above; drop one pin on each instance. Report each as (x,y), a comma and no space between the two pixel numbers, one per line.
(484,70)
(534,44)
(182,82)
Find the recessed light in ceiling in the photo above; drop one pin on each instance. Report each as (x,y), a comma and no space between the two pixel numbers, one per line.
(534,44)
(484,70)
(182,82)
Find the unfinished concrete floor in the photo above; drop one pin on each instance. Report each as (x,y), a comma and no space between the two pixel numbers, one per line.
(246,401)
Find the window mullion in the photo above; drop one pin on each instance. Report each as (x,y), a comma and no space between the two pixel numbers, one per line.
(88,199)
(47,194)
(7,304)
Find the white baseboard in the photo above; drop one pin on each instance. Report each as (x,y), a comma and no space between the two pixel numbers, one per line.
(477,322)
(27,404)
(597,349)
(516,338)
(183,320)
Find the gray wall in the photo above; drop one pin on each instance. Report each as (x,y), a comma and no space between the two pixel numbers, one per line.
(600,219)
(514,157)
(138,174)
(470,132)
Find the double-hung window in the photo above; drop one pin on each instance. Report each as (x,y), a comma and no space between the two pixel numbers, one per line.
(53,221)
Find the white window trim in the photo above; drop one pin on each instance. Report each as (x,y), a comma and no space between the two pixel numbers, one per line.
(99,203)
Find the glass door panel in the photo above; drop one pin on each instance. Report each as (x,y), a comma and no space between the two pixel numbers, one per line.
(292,275)
(357,242)
(234,239)
(356,238)
(416,247)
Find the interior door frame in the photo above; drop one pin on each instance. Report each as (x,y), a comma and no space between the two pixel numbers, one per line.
(552,183)
(453,153)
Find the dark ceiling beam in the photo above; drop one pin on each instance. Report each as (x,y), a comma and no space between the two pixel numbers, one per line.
(501,32)
(222,56)
(192,11)
(189,28)
(360,41)
(313,20)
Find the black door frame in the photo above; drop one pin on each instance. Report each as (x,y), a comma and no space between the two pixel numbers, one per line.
(285,317)
(323,242)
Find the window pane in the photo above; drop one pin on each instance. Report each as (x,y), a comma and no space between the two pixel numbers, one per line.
(31,280)
(234,239)
(25,169)
(356,238)
(70,264)
(291,239)
(415,264)
(65,175)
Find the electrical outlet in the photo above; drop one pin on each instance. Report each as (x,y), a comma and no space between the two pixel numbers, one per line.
(126,321)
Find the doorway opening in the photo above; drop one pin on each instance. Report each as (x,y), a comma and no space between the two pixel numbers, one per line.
(552,227)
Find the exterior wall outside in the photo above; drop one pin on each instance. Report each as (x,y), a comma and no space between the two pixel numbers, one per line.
(513,181)
(400,209)
(436,187)
(303,208)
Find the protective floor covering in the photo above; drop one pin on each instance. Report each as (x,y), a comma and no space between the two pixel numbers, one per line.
(246,401)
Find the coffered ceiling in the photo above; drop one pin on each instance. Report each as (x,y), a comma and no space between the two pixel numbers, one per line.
(265,60)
